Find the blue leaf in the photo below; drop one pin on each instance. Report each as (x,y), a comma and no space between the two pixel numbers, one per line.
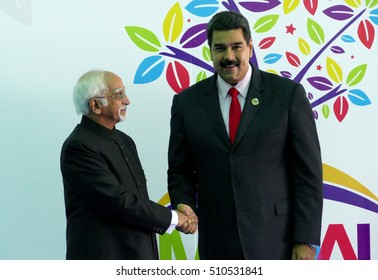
(374,16)
(348,39)
(149,70)
(202,8)
(358,97)
(272,58)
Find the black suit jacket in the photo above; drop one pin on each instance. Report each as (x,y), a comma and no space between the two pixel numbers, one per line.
(109,214)
(260,195)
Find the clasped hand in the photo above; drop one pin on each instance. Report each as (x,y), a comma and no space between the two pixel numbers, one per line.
(188,220)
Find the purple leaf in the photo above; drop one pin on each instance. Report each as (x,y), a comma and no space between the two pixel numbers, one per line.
(320,83)
(286,74)
(258,6)
(310,96)
(337,49)
(194,36)
(339,12)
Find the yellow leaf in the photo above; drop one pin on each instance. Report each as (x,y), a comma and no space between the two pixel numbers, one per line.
(353,3)
(334,70)
(304,47)
(290,5)
(173,23)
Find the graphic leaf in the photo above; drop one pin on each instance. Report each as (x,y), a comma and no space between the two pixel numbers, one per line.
(177,76)
(366,33)
(339,12)
(340,108)
(143,38)
(206,53)
(290,5)
(260,6)
(173,23)
(358,97)
(265,23)
(337,49)
(374,16)
(266,43)
(202,8)
(334,70)
(356,75)
(315,31)
(325,110)
(149,70)
(348,39)
(371,3)
(194,36)
(311,6)
(320,83)
(201,76)
(304,47)
(272,58)
(353,3)
(293,59)
(286,74)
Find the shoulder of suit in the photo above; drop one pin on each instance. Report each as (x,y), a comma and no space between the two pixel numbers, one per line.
(200,86)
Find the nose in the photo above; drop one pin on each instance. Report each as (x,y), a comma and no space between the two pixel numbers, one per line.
(229,54)
(126,100)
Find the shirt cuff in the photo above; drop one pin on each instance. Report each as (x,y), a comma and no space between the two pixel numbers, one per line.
(174,222)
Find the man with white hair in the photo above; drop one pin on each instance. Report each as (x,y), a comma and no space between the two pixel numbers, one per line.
(109,214)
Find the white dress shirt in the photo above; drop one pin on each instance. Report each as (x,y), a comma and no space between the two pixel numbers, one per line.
(225,98)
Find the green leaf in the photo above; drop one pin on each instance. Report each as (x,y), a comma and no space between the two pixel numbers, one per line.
(356,75)
(143,38)
(315,31)
(201,76)
(265,23)
(206,53)
(325,111)
(371,3)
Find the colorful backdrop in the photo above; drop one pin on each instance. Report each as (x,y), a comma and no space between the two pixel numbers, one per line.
(160,48)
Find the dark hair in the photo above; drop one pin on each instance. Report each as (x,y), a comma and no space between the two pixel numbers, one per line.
(228,20)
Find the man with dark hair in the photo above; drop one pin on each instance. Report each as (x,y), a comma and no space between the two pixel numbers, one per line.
(244,155)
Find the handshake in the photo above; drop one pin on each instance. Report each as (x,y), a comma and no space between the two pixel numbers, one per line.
(187,219)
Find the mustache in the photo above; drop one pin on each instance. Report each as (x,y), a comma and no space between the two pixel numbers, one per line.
(226,62)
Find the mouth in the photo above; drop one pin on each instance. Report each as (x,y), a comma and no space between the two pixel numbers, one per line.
(229,64)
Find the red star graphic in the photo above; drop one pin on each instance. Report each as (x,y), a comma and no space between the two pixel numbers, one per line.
(290,29)
(189,20)
(319,67)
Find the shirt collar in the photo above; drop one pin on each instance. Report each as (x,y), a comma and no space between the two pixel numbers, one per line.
(242,86)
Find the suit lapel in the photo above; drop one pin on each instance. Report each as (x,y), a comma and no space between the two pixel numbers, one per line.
(252,104)
(211,103)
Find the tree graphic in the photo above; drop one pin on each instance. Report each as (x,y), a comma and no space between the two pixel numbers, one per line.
(336,93)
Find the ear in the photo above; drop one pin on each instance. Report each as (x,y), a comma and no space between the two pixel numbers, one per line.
(95,106)
(250,45)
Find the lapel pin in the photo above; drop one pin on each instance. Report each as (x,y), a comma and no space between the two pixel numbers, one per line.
(255,101)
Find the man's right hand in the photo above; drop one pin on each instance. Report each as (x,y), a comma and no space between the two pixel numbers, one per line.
(188,220)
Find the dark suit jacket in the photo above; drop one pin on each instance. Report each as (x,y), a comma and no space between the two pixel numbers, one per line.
(109,214)
(260,195)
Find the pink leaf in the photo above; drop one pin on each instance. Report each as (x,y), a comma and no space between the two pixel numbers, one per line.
(311,6)
(366,33)
(177,76)
(266,42)
(340,108)
(293,59)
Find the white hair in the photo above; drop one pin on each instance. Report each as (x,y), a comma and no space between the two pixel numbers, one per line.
(91,84)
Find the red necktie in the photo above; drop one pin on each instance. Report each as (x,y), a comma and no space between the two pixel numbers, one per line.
(235,113)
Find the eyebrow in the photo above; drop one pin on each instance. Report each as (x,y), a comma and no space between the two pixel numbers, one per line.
(118,89)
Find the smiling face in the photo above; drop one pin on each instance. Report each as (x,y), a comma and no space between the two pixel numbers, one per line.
(230,54)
